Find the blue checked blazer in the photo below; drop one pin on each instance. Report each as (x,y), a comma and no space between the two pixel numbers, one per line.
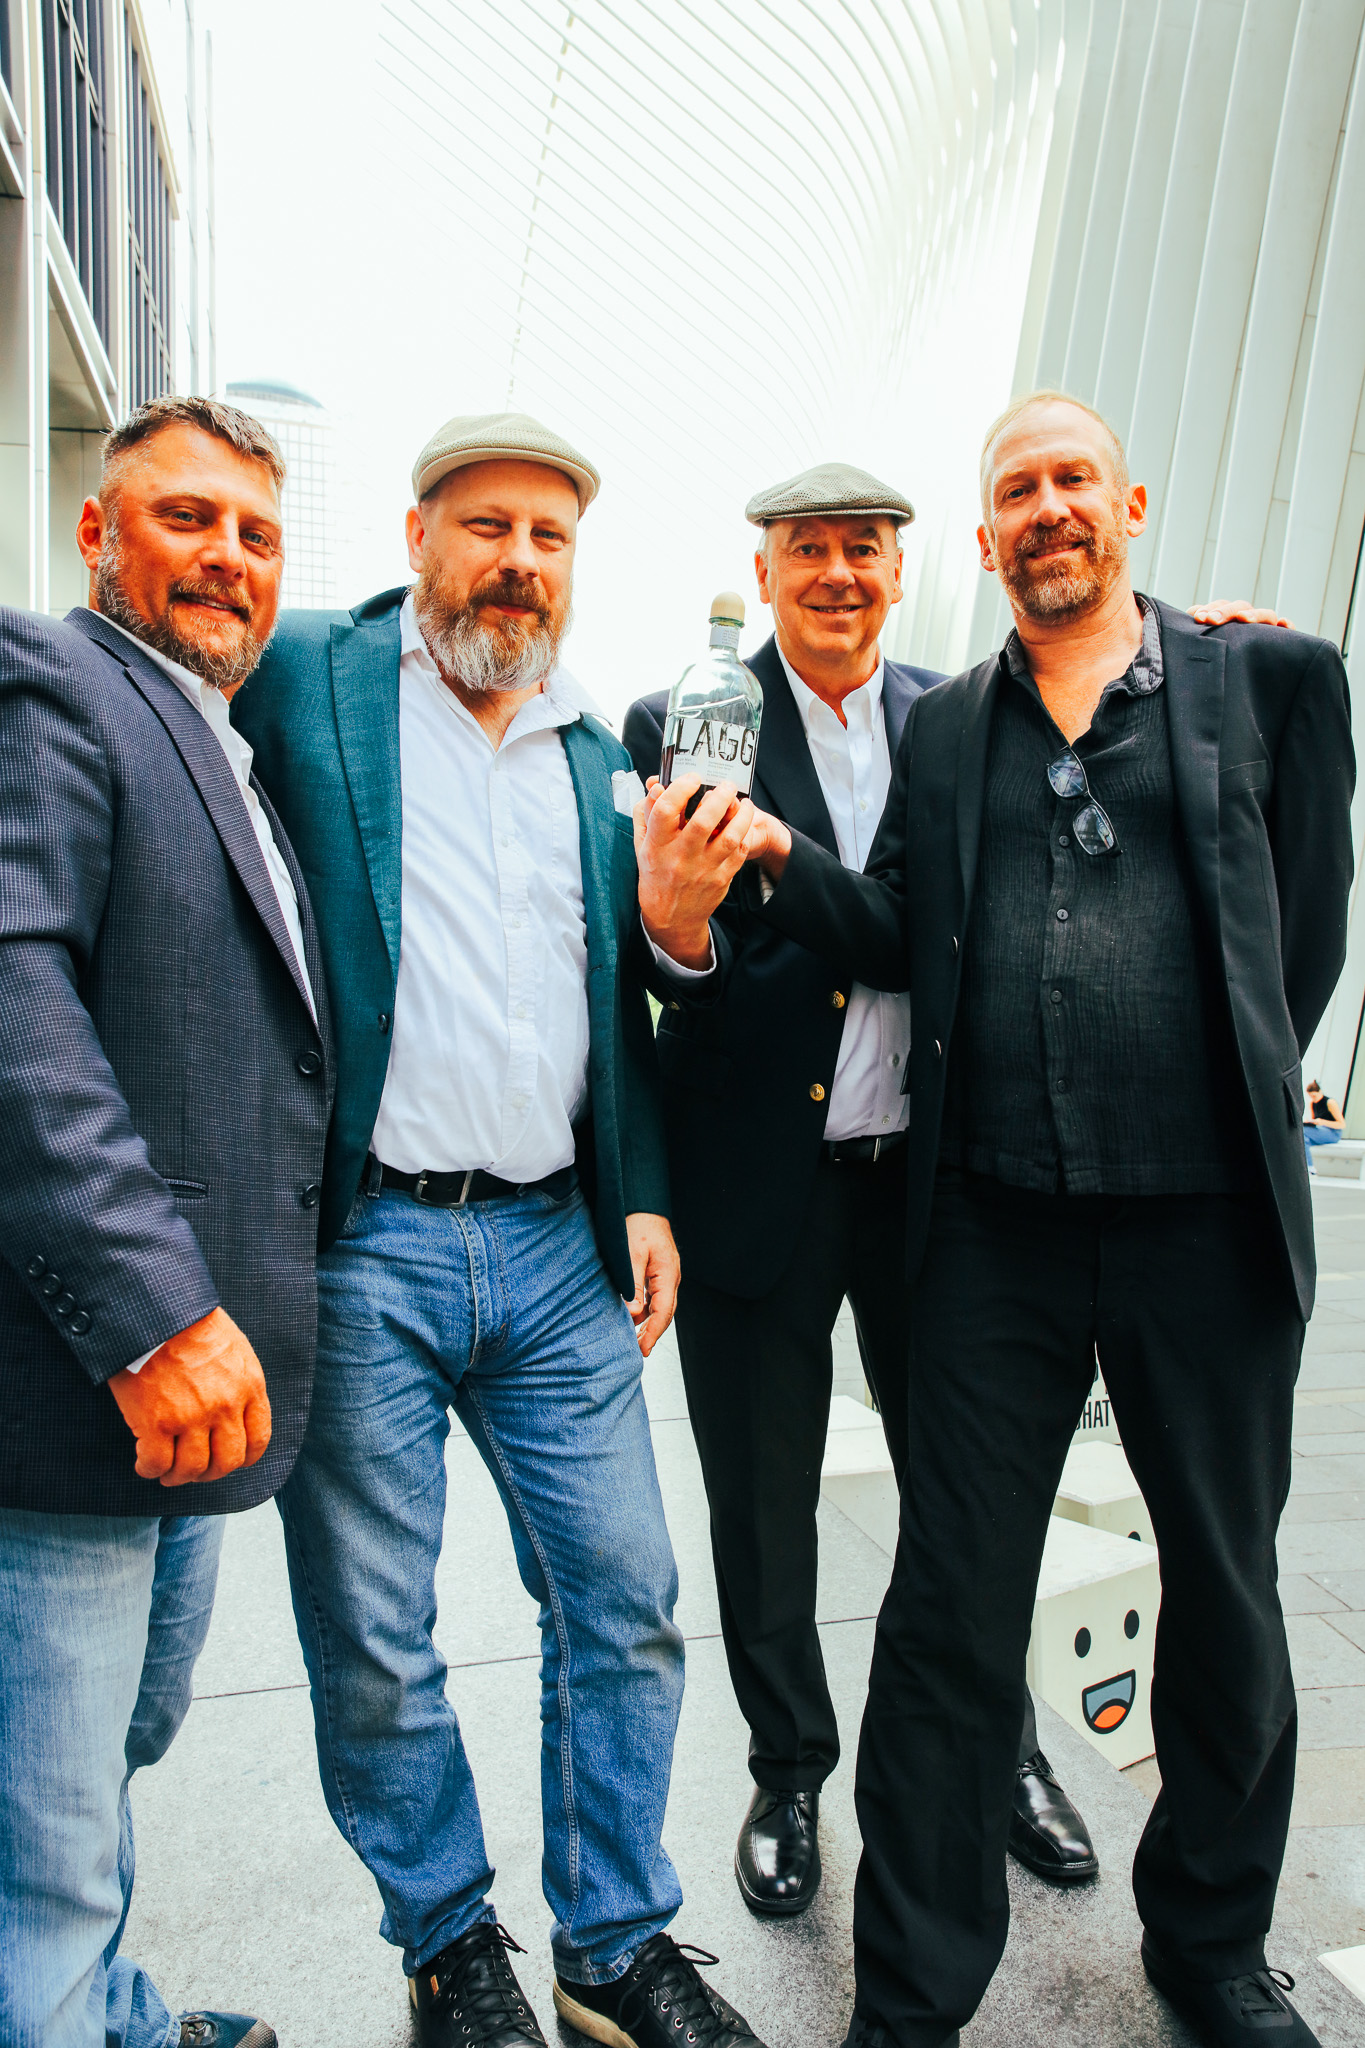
(164,1091)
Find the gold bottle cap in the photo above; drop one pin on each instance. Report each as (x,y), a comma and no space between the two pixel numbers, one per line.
(730,606)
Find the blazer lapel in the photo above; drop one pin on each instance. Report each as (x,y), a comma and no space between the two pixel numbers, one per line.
(981,688)
(591,778)
(1194,661)
(365,661)
(784,769)
(897,697)
(218,788)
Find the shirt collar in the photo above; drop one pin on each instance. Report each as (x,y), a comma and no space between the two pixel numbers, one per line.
(1145,674)
(564,696)
(870,693)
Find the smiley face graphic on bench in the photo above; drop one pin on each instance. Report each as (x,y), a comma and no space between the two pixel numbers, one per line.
(1107,1703)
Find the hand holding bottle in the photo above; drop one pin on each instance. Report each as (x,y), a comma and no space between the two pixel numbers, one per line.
(689,847)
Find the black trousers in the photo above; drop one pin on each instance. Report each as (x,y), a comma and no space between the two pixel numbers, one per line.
(1189,1302)
(758,1376)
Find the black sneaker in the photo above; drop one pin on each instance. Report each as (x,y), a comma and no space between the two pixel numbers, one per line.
(1250,2011)
(660,2002)
(468,1997)
(224,2030)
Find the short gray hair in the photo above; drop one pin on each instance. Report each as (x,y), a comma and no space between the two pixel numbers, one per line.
(211,416)
(1047,396)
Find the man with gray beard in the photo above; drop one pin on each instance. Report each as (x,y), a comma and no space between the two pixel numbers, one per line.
(494,1217)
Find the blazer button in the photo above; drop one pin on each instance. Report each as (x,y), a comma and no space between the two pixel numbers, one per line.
(817,1093)
(838,999)
(674,1005)
(311,1195)
(64,1304)
(309,1063)
(53,1285)
(938,1049)
(384,1021)
(954,949)
(36,1268)
(79,1323)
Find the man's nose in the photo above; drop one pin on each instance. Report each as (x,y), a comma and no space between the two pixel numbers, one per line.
(222,551)
(837,572)
(1052,507)
(518,557)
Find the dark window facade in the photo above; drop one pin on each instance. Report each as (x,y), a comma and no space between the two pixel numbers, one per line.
(77,115)
(151,294)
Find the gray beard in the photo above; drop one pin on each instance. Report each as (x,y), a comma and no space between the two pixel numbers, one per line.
(1064,591)
(486,658)
(220,671)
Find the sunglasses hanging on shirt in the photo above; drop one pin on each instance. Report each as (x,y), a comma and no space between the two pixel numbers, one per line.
(1090,826)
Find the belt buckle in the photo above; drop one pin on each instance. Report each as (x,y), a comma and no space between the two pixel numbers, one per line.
(419,1193)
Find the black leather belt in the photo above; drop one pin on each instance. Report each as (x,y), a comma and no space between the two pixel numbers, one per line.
(861,1151)
(458,1190)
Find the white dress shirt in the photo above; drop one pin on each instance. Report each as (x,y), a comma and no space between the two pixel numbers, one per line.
(489,1062)
(213,707)
(853,765)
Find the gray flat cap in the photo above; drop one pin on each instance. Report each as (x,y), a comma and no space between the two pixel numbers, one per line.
(836,490)
(501,436)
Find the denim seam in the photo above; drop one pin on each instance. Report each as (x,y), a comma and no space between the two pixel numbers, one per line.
(325,1674)
(565,1660)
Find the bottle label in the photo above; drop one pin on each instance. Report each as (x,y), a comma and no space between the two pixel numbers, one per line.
(712,749)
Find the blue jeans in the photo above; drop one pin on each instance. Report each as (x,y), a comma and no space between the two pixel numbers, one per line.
(101,1620)
(1318,1134)
(503,1312)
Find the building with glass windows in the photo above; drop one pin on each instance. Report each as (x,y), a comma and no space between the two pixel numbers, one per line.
(106,254)
(305,435)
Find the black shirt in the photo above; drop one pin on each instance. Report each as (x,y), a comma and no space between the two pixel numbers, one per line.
(1092,1051)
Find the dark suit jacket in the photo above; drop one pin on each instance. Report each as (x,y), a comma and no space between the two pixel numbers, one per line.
(163,1088)
(322,714)
(743,1131)
(1264,771)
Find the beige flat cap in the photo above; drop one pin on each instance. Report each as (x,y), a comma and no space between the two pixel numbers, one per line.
(835,489)
(501,436)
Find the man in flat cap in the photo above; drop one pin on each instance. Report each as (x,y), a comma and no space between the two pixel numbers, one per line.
(823,1107)
(494,1215)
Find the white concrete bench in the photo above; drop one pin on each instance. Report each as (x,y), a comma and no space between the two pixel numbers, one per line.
(1341,1161)
(1098,1488)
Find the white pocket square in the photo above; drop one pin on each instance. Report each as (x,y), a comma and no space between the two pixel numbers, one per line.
(627,790)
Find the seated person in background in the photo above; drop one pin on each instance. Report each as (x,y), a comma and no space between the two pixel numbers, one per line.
(1324,1123)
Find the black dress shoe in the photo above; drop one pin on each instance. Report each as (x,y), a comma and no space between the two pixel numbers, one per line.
(224,2030)
(777,1858)
(1046,1833)
(1250,2011)
(660,2002)
(866,2033)
(468,1997)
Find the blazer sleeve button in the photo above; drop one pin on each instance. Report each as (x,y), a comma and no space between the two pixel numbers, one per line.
(36,1267)
(79,1323)
(64,1304)
(817,1093)
(311,1195)
(53,1284)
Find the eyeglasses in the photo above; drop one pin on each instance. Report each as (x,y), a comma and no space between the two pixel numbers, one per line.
(1091,827)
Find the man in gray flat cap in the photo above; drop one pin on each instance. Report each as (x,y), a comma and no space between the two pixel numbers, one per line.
(494,1214)
(823,1108)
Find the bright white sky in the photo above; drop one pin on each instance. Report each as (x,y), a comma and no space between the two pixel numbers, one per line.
(651,234)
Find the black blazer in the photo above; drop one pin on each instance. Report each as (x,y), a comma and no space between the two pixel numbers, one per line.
(164,1092)
(743,1130)
(1264,772)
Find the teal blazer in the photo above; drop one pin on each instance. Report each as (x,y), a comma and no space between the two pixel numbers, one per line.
(322,715)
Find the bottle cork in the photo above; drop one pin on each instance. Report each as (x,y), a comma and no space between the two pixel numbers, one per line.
(729,605)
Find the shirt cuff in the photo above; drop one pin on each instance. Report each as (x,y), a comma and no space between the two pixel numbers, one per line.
(673,967)
(138,1363)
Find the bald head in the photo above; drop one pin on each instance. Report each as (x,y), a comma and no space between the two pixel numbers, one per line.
(1019,416)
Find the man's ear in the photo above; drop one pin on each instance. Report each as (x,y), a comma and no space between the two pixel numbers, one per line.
(983,541)
(416,529)
(90,530)
(761,574)
(1136,511)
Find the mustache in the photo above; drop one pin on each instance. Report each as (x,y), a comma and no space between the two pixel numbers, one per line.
(195,588)
(511,590)
(1039,539)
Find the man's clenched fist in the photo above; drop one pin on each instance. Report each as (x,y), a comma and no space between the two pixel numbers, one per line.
(198,1408)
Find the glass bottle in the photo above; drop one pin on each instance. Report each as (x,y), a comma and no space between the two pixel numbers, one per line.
(714,711)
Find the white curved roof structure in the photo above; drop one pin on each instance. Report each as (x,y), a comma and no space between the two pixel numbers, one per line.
(717,240)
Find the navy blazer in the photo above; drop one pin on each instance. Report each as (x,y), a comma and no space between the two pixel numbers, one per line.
(1260,724)
(164,1091)
(322,714)
(744,1130)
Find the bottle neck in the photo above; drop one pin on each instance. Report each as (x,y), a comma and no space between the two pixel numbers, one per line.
(723,634)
